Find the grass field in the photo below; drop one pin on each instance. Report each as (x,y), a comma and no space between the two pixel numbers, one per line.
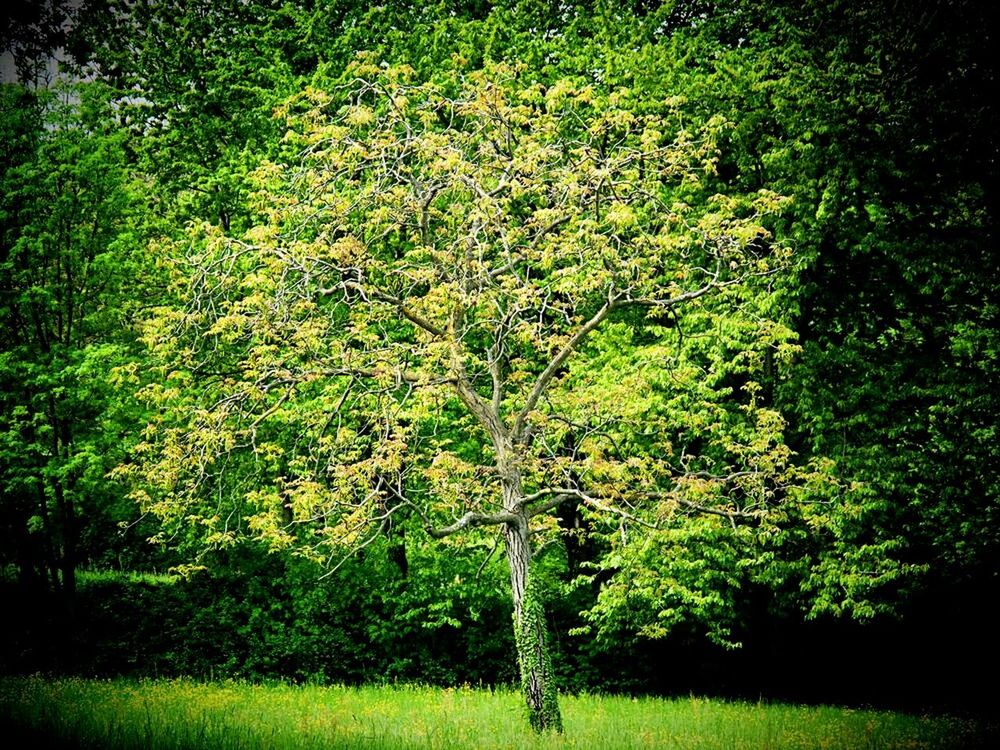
(73,713)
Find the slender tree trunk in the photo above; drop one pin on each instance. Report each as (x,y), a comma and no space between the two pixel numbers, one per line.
(530,635)
(533,658)
(68,545)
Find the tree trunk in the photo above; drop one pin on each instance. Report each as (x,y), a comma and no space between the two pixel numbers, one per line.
(533,656)
(68,547)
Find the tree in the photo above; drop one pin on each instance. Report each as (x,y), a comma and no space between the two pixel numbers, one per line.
(461,305)
(195,83)
(31,34)
(67,254)
(877,123)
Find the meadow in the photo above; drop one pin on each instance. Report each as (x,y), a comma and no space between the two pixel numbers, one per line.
(176,714)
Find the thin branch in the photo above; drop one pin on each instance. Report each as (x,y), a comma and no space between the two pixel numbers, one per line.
(518,433)
(732,515)
(355,550)
(558,495)
(400,375)
(489,556)
(274,408)
(414,317)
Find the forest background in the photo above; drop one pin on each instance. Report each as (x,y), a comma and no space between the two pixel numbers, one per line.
(874,118)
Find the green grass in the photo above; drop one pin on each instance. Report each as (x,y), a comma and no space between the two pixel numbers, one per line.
(122,576)
(8,573)
(186,714)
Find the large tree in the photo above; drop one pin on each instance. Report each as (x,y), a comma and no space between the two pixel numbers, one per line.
(471,303)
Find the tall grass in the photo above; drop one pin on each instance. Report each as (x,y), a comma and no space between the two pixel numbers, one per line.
(8,573)
(181,714)
(124,576)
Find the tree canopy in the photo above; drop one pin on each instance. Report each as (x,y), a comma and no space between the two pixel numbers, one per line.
(468,300)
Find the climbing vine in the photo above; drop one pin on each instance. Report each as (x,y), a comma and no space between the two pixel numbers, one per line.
(537,683)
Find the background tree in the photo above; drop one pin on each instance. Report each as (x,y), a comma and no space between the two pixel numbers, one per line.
(69,251)
(195,85)
(874,122)
(31,34)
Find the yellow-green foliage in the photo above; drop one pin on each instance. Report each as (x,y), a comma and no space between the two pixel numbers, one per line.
(450,276)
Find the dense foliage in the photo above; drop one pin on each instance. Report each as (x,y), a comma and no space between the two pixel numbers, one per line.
(237,232)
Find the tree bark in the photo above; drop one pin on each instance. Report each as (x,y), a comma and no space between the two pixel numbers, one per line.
(530,637)
(533,658)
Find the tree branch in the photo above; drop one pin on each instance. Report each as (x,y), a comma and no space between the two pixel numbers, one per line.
(559,495)
(732,515)
(548,505)
(403,376)
(563,493)
(518,433)
(471,520)
(415,318)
